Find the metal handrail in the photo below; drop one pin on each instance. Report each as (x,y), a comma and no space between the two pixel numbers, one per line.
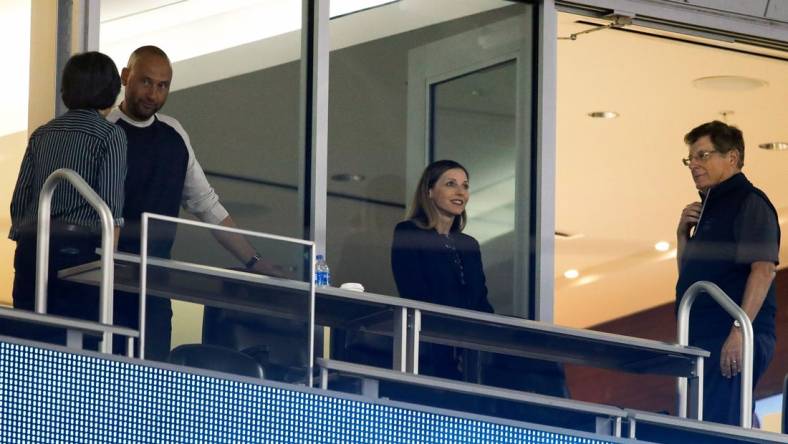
(42,249)
(737,313)
(365,371)
(144,275)
(92,328)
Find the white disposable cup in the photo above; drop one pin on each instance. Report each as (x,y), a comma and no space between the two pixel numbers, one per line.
(352,286)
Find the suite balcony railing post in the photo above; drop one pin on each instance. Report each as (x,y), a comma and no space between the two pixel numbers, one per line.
(683,327)
(107,247)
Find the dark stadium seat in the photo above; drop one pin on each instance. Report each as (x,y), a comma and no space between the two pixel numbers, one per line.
(217,358)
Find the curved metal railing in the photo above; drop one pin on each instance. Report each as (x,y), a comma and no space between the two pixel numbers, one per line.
(42,250)
(737,313)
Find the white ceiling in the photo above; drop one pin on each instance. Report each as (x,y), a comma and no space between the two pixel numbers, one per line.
(14,27)
(264,33)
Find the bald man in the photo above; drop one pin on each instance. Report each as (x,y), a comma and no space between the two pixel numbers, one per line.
(163,175)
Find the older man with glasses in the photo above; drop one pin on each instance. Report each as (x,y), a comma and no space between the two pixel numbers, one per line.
(731,238)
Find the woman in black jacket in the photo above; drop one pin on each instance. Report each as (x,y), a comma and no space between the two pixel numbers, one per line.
(433,261)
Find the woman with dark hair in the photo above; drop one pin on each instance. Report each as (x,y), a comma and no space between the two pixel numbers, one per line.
(432,260)
(84,141)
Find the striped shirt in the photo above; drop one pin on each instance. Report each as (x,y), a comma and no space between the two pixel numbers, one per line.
(85,142)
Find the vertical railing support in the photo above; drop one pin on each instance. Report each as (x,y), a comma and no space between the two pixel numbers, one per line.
(737,313)
(107,247)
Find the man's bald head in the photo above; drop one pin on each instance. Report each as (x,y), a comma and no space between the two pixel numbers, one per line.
(144,51)
(146,79)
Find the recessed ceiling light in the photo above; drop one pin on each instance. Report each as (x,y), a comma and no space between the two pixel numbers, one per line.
(347,177)
(589,279)
(603,114)
(774,146)
(729,83)
(571,274)
(662,246)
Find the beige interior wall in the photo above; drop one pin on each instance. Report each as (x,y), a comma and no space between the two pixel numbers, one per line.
(41,108)
(12,147)
(41,96)
(43,47)
(771,422)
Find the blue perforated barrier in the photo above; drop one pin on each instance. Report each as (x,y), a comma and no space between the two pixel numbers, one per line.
(49,396)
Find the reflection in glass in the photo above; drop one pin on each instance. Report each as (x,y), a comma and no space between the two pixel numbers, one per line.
(368,120)
(473,122)
(235,92)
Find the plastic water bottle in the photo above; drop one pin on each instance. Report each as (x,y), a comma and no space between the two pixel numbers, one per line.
(322,273)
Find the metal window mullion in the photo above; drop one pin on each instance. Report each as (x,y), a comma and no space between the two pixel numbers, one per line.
(90,24)
(314,119)
(544,217)
(74,36)
(65,9)
(314,137)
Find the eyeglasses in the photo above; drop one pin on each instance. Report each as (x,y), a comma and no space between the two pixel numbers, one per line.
(701,156)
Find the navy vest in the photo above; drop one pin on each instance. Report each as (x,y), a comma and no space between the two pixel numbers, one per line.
(710,255)
(157,161)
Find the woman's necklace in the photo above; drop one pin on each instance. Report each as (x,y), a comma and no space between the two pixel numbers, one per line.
(449,243)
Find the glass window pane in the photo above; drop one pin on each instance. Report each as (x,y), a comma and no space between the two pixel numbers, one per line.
(373,161)
(235,91)
(473,122)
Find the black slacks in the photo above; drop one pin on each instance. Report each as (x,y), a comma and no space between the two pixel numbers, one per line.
(68,247)
(158,322)
(722,396)
(71,246)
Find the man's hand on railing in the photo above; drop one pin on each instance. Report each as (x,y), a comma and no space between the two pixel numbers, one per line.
(266,268)
(731,355)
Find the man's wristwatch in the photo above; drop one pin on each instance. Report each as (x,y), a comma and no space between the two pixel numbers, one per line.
(736,323)
(251,262)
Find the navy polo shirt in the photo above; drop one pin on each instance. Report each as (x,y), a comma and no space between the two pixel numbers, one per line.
(738,226)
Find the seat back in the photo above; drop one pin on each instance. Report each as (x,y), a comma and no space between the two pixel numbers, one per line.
(212,357)
(283,340)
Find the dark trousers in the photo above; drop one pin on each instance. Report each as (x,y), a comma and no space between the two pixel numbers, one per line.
(158,322)
(68,247)
(722,396)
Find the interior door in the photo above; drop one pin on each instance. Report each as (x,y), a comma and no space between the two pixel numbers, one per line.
(470,99)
